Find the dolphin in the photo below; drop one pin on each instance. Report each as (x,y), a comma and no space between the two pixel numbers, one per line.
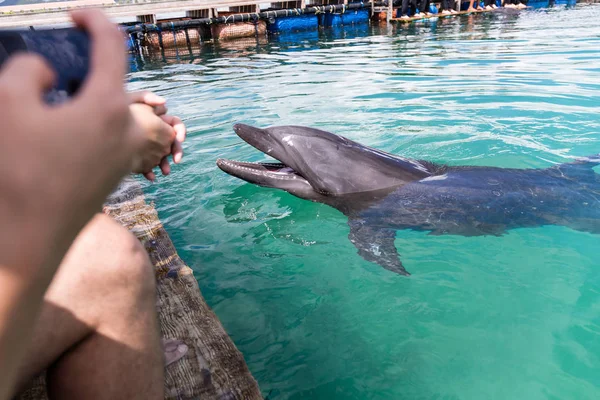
(381,193)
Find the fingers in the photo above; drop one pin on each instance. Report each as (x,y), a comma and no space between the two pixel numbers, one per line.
(171,126)
(164,166)
(147,97)
(180,130)
(177,151)
(30,72)
(108,52)
(155,101)
(151,176)
(160,109)
(177,124)
(180,134)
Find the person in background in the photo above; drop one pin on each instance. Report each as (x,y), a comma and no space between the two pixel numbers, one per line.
(473,9)
(424,8)
(409,8)
(514,4)
(447,7)
(77,290)
(490,4)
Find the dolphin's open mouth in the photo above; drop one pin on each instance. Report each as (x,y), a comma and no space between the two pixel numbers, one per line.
(248,170)
(271,174)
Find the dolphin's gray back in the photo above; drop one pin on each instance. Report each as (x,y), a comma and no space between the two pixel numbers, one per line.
(473,200)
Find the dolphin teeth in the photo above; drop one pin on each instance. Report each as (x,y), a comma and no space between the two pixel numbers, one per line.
(235,164)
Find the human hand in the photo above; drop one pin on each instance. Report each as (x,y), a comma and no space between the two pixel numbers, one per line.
(158,103)
(48,153)
(164,133)
(58,163)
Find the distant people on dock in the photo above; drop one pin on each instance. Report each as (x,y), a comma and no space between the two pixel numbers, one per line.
(447,7)
(408,6)
(514,4)
(410,9)
(476,8)
(487,5)
(490,4)
(425,7)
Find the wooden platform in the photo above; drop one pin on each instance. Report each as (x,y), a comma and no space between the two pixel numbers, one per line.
(57,13)
(213,368)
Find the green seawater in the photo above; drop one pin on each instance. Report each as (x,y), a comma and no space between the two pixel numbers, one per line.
(511,317)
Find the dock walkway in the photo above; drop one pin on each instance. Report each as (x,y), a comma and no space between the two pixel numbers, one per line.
(57,13)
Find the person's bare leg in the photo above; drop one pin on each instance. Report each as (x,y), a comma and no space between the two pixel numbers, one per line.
(98,334)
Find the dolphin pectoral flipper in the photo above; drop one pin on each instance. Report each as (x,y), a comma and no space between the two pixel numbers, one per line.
(376,245)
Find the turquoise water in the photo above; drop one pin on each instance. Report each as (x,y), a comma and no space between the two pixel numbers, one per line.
(512,317)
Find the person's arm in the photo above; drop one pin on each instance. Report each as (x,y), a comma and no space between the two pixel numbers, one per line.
(58,165)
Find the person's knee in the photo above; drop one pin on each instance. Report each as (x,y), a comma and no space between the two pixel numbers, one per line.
(132,270)
(112,261)
(126,264)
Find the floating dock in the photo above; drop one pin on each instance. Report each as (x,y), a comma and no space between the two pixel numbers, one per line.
(129,12)
(151,24)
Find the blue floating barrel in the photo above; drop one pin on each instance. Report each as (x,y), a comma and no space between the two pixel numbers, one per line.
(129,43)
(294,23)
(568,3)
(538,4)
(332,19)
(133,66)
(355,17)
(129,40)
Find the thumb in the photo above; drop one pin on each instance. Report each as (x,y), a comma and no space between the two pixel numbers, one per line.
(146,97)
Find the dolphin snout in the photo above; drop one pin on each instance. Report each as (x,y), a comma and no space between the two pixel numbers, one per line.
(237,127)
(243,128)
